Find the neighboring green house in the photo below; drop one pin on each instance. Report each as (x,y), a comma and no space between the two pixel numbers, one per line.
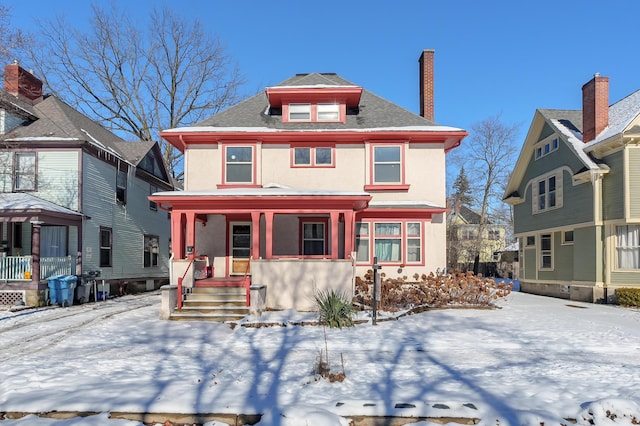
(575,193)
(73,198)
(463,227)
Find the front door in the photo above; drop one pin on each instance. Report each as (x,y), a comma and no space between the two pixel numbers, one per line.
(239,247)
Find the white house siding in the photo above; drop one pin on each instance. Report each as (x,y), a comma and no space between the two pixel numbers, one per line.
(129,223)
(58,177)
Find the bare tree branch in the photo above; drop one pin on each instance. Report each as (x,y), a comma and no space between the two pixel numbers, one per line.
(138,81)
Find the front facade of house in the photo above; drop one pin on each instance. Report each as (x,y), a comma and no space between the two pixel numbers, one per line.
(301,187)
(73,197)
(575,195)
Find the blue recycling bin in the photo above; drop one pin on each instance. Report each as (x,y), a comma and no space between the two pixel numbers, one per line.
(67,289)
(54,289)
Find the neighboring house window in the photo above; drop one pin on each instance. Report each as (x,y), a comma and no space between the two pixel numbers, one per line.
(313,156)
(493,234)
(414,242)
(469,234)
(106,246)
(531,240)
(628,246)
(239,164)
(328,112)
(151,250)
(152,204)
(567,237)
(121,185)
(25,171)
(546,251)
(314,237)
(299,112)
(547,193)
(546,148)
(387,165)
(362,242)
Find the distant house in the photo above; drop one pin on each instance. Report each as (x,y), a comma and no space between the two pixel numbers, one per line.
(575,193)
(73,197)
(301,187)
(463,238)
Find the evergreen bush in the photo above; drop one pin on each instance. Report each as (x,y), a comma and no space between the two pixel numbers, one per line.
(628,296)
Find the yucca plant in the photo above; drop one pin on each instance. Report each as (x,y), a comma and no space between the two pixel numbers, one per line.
(335,309)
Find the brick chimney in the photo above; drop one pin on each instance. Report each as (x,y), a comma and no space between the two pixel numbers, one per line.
(595,107)
(426,84)
(22,84)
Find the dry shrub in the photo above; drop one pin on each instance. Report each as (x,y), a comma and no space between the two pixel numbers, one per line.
(456,289)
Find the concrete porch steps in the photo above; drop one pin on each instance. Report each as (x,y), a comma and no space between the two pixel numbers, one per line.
(218,304)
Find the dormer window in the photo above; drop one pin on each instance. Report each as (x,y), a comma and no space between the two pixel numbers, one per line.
(299,112)
(328,112)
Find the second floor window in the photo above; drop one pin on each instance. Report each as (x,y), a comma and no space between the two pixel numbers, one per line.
(121,186)
(25,171)
(547,193)
(239,164)
(312,156)
(387,165)
(152,204)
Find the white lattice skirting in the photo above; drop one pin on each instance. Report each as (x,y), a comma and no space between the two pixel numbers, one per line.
(12,297)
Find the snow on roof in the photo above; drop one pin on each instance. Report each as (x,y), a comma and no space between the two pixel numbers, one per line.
(26,202)
(416,204)
(314,86)
(42,138)
(271,130)
(575,139)
(621,114)
(272,191)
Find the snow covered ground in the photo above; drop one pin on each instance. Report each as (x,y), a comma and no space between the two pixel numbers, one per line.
(534,361)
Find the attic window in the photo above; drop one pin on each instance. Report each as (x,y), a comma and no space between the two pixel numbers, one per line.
(314,112)
(299,112)
(328,112)
(546,148)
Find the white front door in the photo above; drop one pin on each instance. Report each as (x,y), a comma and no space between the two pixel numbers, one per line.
(239,247)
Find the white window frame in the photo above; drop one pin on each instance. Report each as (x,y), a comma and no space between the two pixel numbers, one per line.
(328,112)
(545,253)
(627,240)
(25,171)
(565,240)
(546,147)
(556,176)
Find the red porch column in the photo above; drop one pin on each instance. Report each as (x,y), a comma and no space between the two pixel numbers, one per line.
(191,232)
(255,235)
(268,220)
(35,251)
(177,234)
(348,233)
(335,219)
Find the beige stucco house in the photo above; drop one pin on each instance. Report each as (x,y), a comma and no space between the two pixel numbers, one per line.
(299,189)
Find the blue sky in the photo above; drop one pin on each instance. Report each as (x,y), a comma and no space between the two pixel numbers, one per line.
(491,57)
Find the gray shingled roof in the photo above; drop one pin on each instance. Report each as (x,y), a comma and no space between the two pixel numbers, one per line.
(373,111)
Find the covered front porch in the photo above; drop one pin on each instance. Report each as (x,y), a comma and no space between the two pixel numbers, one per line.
(292,242)
(39,239)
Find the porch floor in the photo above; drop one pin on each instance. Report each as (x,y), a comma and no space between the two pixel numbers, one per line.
(236,281)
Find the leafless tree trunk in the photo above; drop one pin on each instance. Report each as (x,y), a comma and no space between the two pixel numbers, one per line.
(490,157)
(136,80)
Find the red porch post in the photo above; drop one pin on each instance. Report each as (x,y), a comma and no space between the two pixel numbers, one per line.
(348,233)
(177,235)
(268,219)
(191,232)
(335,219)
(255,234)
(35,251)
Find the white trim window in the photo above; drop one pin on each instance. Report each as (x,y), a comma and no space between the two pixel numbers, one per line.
(567,237)
(25,172)
(546,148)
(328,112)
(547,192)
(628,246)
(546,251)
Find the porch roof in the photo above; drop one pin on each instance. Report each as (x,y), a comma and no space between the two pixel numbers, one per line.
(273,197)
(21,206)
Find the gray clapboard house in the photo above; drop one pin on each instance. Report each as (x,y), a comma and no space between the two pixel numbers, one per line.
(575,192)
(73,197)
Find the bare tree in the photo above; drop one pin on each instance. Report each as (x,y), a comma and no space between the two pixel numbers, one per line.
(490,157)
(11,40)
(136,80)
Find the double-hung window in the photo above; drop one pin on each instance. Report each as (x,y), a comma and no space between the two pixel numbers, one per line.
(546,251)
(25,171)
(151,250)
(121,185)
(387,164)
(362,242)
(313,156)
(239,165)
(414,242)
(314,238)
(547,193)
(628,246)
(328,112)
(299,112)
(388,241)
(106,246)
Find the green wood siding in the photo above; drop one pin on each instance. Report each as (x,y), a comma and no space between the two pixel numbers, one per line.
(626,278)
(563,258)
(577,201)
(585,254)
(613,187)
(530,264)
(634,182)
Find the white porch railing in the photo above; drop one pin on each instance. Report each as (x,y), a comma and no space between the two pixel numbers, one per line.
(19,268)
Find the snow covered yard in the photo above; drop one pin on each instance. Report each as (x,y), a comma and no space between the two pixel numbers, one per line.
(536,360)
